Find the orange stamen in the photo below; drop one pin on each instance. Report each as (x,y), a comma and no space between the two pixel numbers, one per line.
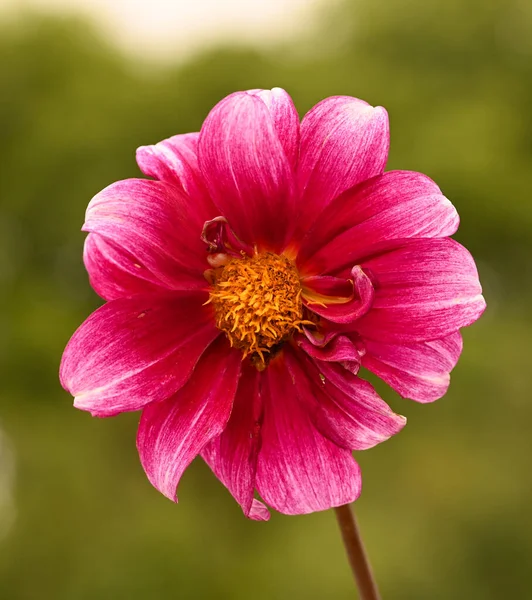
(257,303)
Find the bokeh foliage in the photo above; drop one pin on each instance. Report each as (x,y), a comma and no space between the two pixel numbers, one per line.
(445,504)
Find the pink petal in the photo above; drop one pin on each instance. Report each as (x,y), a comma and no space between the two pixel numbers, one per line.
(299,471)
(114,273)
(341,349)
(172,433)
(247,171)
(348,310)
(320,337)
(416,371)
(285,119)
(154,222)
(233,455)
(175,161)
(328,286)
(398,204)
(344,408)
(344,141)
(221,239)
(426,289)
(136,350)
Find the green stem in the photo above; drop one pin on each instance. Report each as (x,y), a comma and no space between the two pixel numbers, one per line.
(356,554)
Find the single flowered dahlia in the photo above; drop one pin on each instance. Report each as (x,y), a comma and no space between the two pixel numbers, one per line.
(247,283)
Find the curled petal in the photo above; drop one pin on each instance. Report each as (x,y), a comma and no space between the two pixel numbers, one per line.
(233,454)
(416,371)
(247,171)
(341,349)
(426,289)
(343,407)
(321,336)
(151,221)
(299,470)
(175,161)
(172,433)
(344,141)
(326,288)
(133,351)
(340,309)
(115,273)
(221,239)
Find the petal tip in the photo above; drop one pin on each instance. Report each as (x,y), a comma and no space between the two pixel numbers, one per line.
(258,511)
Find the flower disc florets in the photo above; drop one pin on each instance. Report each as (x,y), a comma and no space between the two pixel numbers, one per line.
(257,302)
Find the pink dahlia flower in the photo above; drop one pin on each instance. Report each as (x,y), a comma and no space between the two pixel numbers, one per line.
(247,283)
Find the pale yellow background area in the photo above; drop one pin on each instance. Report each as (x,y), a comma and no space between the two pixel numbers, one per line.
(173,29)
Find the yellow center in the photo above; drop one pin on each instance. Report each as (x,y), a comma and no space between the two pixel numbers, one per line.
(257,302)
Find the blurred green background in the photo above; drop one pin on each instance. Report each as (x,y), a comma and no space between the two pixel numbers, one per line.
(445,509)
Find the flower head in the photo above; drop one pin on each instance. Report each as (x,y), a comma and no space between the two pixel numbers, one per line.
(247,283)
